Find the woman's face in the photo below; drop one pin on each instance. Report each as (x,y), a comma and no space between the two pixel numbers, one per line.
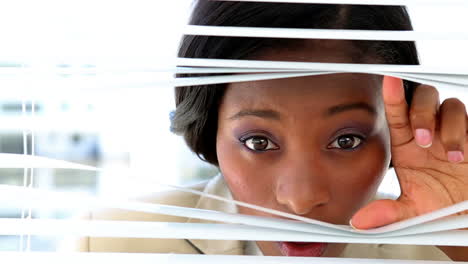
(313,146)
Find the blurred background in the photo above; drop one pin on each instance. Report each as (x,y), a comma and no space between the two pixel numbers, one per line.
(85,68)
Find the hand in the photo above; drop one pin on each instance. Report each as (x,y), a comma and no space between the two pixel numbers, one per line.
(428,141)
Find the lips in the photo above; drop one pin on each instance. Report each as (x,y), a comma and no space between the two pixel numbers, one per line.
(299,249)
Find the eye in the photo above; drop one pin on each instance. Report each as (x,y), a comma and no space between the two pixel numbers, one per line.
(259,143)
(346,142)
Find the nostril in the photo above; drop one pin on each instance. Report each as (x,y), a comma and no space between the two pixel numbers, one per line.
(301,199)
(302,207)
(321,204)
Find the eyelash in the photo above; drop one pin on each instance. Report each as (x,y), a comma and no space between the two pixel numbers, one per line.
(270,144)
(360,140)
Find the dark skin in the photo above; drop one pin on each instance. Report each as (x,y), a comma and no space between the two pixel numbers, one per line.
(281,148)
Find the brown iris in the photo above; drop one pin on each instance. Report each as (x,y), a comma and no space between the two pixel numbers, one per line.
(259,143)
(346,142)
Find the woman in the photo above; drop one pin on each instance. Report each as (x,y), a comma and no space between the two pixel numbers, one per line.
(319,146)
(314,146)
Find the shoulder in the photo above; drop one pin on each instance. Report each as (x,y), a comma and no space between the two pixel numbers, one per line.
(140,245)
(171,197)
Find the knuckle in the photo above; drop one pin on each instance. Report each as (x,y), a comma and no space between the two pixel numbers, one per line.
(447,138)
(452,136)
(451,142)
(422,116)
(397,122)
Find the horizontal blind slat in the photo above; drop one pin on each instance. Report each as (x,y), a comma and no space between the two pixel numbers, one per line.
(302,33)
(363,2)
(135,229)
(148,258)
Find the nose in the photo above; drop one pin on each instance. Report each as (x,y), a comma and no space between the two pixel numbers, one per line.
(301,187)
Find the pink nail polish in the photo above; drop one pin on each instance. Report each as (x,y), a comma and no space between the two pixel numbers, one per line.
(423,137)
(455,156)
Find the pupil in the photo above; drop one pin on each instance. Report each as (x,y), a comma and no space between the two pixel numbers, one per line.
(259,143)
(346,142)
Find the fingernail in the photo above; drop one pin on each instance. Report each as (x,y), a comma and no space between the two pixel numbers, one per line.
(423,137)
(455,156)
(351,224)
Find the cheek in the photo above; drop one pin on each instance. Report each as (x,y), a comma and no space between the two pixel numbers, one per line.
(360,178)
(237,168)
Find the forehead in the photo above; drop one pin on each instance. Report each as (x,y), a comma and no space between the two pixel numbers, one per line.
(317,91)
(333,51)
(305,93)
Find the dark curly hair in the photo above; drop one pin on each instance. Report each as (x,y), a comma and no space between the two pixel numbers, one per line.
(196,113)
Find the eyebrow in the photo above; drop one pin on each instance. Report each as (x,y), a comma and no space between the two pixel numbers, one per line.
(348,107)
(263,113)
(274,115)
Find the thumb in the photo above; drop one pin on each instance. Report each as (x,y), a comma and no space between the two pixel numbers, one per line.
(380,213)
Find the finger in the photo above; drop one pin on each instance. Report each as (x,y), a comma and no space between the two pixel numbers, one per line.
(453,128)
(396,111)
(423,114)
(381,213)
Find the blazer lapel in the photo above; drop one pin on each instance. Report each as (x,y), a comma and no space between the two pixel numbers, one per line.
(216,186)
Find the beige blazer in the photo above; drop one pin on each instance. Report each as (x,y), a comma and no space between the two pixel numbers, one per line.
(217,186)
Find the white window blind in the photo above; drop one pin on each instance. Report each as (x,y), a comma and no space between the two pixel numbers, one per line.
(69,96)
